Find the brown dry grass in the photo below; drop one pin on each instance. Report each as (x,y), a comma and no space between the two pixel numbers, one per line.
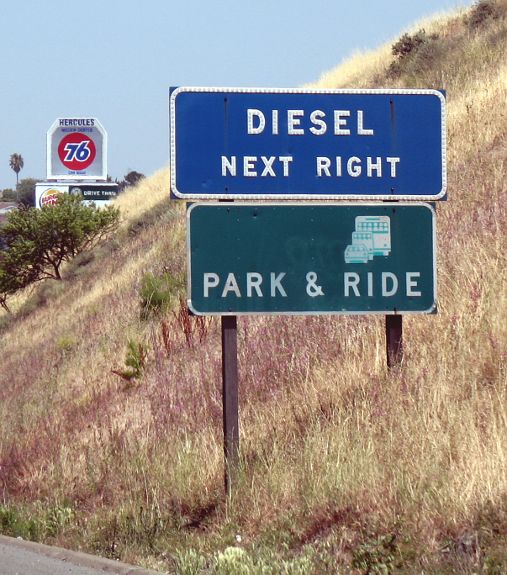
(336,450)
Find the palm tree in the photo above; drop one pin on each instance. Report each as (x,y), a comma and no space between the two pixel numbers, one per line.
(16,163)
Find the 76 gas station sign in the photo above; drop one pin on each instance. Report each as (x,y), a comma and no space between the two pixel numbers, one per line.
(76,150)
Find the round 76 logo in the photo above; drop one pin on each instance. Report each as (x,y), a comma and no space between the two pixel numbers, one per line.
(77,151)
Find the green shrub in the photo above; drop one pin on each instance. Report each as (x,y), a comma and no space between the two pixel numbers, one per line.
(36,524)
(412,52)
(481,12)
(160,293)
(66,343)
(135,362)
(56,519)
(376,555)
(15,523)
(189,562)
(408,44)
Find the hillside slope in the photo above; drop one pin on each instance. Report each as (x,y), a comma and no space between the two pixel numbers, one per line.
(110,428)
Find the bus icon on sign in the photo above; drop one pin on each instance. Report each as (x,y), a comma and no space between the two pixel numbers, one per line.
(372,237)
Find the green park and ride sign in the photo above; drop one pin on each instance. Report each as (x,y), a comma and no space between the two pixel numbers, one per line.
(318,258)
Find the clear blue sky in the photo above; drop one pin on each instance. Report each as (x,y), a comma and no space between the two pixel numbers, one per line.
(116,59)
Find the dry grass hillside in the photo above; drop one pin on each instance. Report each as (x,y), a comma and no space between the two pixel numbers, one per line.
(110,395)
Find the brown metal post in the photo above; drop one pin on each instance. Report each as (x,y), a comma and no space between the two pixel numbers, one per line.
(394,340)
(230,397)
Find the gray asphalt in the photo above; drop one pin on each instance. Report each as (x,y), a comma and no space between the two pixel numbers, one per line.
(18,557)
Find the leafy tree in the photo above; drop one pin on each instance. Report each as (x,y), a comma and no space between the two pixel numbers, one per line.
(130,179)
(408,44)
(133,178)
(38,241)
(25,191)
(482,12)
(16,163)
(15,271)
(8,194)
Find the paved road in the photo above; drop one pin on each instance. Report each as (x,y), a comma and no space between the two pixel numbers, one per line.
(18,557)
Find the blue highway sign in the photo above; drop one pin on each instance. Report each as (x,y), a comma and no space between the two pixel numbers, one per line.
(232,143)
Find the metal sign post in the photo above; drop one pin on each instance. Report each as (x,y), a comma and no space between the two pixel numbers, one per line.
(394,340)
(230,398)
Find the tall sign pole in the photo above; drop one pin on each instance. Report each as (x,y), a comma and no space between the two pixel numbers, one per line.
(394,340)
(230,398)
